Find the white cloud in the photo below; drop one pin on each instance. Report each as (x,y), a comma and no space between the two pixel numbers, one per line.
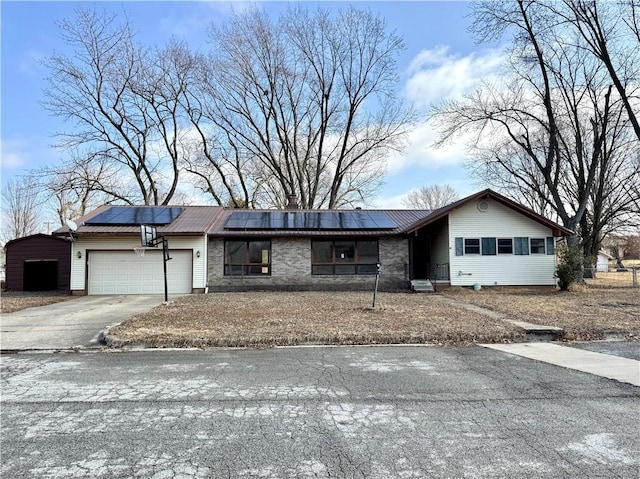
(421,152)
(13,154)
(31,62)
(390,203)
(201,15)
(437,75)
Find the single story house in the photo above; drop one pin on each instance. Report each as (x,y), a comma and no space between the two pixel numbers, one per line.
(38,263)
(485,238)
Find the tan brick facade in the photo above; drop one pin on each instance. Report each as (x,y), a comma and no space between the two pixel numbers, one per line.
(291,269)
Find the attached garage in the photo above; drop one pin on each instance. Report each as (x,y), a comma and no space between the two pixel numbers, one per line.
(123,272)
(38,263)
(103,258)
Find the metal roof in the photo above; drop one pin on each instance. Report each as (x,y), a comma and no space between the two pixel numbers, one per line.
(402,219)
(211,220)
(194,220)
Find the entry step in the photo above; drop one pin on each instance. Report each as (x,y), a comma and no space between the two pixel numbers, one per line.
(421,286)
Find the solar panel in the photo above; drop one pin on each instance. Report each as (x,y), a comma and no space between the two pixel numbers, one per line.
(309,220)
(136,215)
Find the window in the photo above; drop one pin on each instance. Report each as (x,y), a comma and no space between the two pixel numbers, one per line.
(472,246)
(247,258)
(488,246)
(537,245)
(505,246)
(344,257)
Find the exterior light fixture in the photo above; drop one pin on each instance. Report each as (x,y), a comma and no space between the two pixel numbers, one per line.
(79,254)
(198,254)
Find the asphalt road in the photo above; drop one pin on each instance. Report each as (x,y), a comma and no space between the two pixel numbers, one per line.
(374,412)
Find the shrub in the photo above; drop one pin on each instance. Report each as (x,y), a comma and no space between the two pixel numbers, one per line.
(570,264)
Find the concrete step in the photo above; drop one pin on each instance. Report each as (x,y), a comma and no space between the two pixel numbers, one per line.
(536,332)
(421,286)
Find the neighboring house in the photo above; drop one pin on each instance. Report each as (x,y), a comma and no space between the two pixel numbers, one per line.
(485,238)
(602,262)
(38,263)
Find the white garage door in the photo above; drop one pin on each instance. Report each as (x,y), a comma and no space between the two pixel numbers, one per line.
(123,272)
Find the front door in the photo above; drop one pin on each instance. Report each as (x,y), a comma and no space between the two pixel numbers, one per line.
(420,256)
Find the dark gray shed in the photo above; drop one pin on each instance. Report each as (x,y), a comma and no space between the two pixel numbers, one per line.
(38,263)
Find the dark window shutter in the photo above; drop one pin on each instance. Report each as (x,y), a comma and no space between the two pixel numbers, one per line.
(521,245)
(488,246)
(551,245)
(459,247)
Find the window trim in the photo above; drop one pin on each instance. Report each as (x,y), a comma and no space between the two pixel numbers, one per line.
(510,240)
(247,265)
(543,244)
(356,263)
(466,247)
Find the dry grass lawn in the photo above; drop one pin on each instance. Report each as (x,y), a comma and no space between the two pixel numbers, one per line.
(265,319)
(585,313)
(11,301)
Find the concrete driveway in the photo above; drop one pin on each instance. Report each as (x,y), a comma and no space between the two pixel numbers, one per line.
(73,323)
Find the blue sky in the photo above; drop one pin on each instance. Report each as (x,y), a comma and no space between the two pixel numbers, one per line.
(440,61)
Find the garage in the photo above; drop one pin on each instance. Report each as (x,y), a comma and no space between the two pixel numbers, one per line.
(38,263)
(123,272)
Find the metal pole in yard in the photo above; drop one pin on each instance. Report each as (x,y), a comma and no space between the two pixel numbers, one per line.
(165,253)
(375,290)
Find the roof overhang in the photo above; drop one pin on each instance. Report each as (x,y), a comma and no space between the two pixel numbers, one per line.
(557,229)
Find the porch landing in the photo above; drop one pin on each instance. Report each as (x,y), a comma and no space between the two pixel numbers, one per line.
(421,286)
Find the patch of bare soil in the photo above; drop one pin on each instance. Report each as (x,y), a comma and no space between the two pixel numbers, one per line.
(266,319)
(11,301)
(585,313)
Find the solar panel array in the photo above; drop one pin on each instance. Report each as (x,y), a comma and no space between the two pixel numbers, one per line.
(128,215)
(309,220)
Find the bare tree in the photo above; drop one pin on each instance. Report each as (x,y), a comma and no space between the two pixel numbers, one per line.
(430,197)
(79,184)
(20,209)
(303,106)
(555,132)
(609,31)
(122,102)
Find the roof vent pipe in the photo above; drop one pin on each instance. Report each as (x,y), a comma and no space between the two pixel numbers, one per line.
(293,202)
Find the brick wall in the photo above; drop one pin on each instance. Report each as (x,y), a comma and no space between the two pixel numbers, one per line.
(291,269)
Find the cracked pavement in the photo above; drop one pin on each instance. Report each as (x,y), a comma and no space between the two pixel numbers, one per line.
(371,412)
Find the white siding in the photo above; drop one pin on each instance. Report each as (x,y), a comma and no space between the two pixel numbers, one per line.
(602,265)
(498,221)
(115,243)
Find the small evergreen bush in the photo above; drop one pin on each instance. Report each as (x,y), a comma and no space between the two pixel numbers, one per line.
(570,264)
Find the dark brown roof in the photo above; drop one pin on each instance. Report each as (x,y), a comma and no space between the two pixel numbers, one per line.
(199,220)
(31,237)
(194,220)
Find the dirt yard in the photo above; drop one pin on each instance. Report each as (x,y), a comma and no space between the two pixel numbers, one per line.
(585,313)
(264,319)
(11,301)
